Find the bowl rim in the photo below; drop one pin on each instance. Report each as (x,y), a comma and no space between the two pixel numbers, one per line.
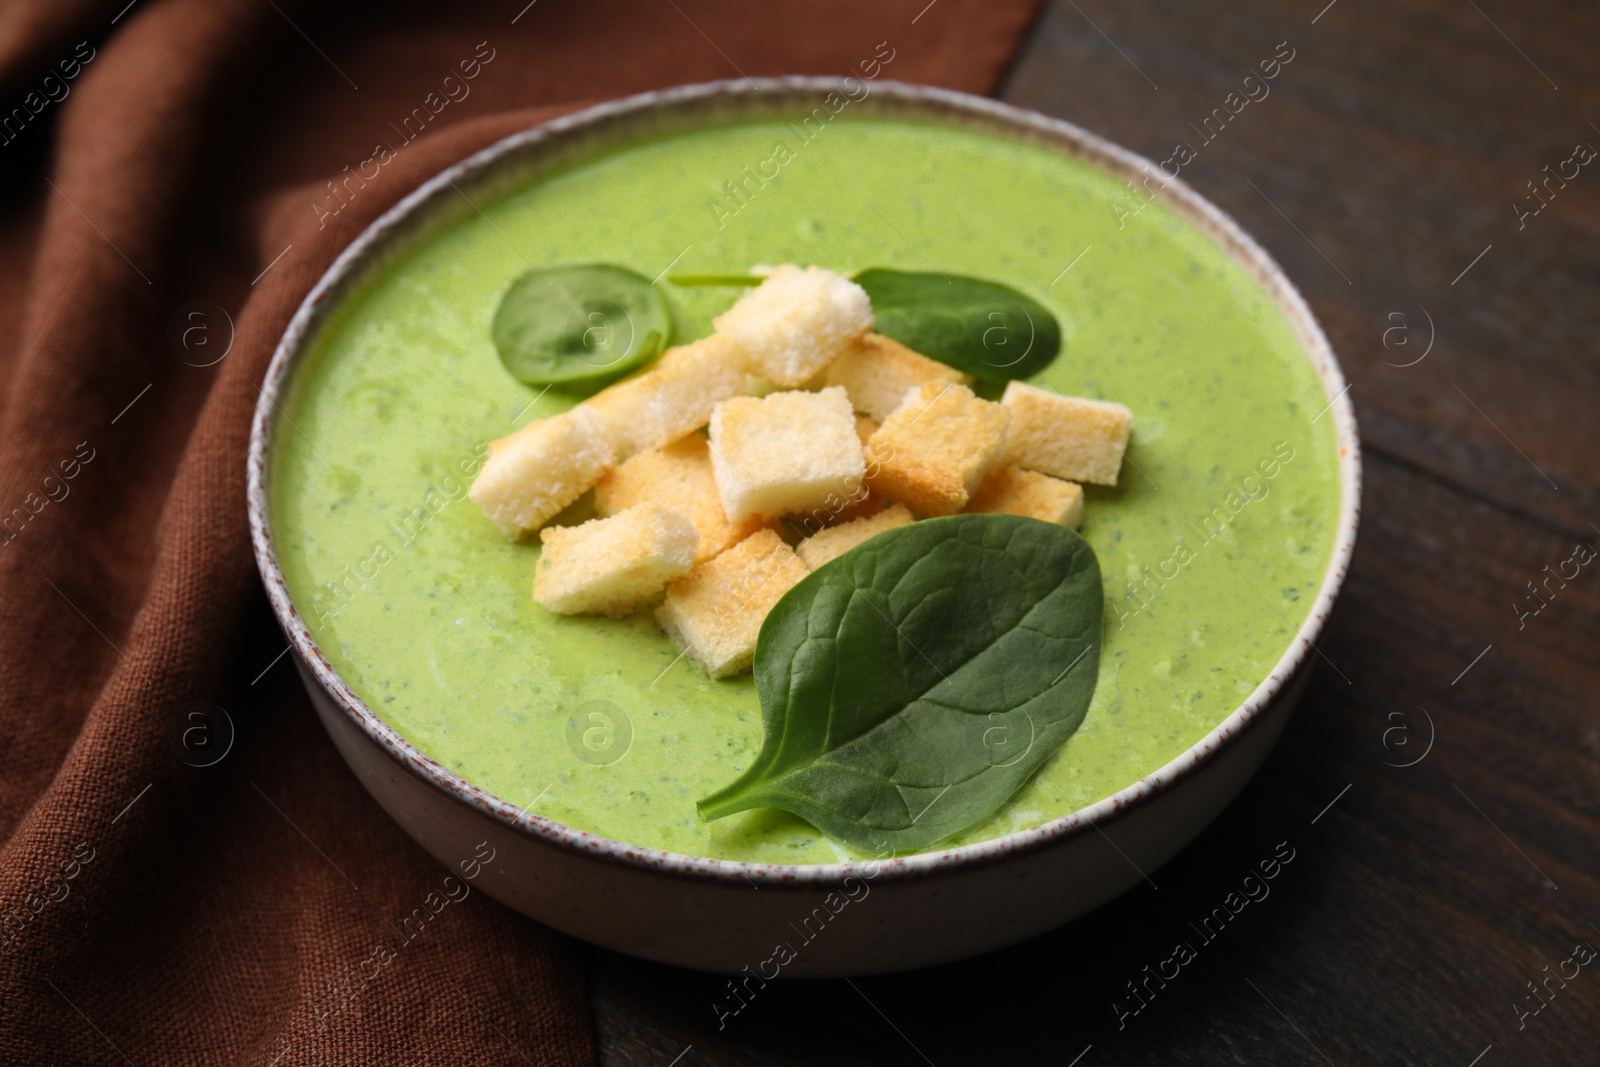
(927,102)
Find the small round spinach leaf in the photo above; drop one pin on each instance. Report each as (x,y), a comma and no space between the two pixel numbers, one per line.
(911,686)
(989,330)
(575,323)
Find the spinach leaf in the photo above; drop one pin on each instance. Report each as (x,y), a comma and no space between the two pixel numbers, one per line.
(573,323)
(989,330)
(911,686)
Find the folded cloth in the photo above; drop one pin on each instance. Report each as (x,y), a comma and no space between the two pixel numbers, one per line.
(188,873)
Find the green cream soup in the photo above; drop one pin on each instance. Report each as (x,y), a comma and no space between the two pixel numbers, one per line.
(1211,547)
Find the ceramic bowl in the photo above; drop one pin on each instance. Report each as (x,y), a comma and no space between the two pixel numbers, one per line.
(835,919)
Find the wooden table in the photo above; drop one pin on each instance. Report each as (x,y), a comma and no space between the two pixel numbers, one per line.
(1429,884)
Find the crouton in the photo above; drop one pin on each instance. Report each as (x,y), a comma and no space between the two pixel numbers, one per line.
(834,509)
(721,351)
(935,448)
(838,510)
(541,469)
(1068,437)
(606,566)
(677,476)
(831,543)
(797,321)
(876,371)
(674,397)
(784,452)
(715,612)
(1014,491)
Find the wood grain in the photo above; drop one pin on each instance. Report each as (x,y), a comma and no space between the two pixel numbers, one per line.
(1385,159)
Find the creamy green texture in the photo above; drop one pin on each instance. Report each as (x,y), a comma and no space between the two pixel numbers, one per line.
(1212,547)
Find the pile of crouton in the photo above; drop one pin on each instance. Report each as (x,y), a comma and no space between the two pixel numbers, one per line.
(819,435)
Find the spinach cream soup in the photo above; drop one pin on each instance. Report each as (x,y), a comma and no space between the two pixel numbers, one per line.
(1212,547)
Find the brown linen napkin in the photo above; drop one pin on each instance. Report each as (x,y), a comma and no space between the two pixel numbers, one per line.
(189,873)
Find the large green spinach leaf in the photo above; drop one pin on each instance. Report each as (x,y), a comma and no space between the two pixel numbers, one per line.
(911,686)
(989,330)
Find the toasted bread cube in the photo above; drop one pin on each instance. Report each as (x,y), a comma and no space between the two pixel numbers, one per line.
(716,352)
(541,469)
(835,541)
(1066,436)
(836,509)
(876,371)
(797,321)
(606,566)
(857,505)
(677,476)
(784,452)
(934,450)
(1014,491)
(674,397)
(715,612)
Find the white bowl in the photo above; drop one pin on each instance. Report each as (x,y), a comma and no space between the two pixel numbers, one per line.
(835,919)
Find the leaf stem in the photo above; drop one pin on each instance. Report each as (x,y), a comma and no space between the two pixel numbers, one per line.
(729,800)
(731,280)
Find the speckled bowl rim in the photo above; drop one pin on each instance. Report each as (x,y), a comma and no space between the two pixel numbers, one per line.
(729,102)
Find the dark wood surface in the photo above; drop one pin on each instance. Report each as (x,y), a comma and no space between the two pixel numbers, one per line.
(1387,156)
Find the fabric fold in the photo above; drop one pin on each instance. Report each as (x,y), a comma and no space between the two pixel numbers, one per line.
(189,873)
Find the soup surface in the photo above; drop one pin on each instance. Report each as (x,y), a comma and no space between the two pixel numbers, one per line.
(1212,546)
